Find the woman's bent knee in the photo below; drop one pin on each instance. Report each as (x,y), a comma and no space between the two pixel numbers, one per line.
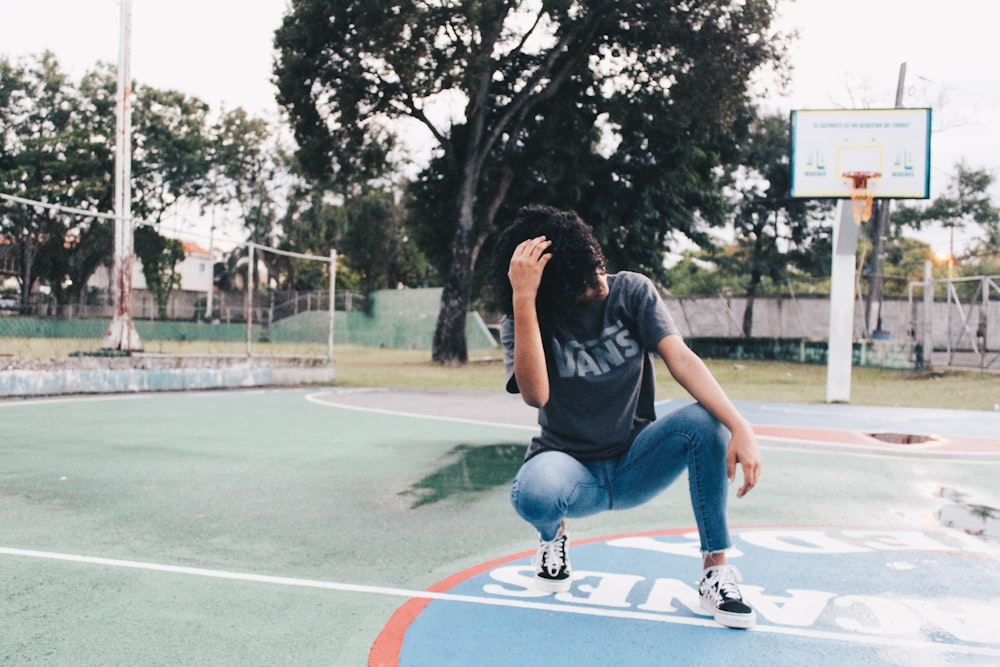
(546,485)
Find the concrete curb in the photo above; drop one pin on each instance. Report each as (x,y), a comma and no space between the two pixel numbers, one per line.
(147,373)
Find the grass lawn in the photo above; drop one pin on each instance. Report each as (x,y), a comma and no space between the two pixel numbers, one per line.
(771,381)
(777,382)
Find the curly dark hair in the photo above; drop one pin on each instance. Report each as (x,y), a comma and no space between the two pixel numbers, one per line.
(577,259)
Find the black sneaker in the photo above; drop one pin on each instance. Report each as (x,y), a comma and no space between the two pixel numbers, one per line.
(720,597)
(552,570)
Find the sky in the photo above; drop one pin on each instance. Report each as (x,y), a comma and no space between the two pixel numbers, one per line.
(847,55)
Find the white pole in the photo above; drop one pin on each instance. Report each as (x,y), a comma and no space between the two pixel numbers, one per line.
(121,335)
(928,314)
(250,264)
(211,270)
(333,285)
(840,345)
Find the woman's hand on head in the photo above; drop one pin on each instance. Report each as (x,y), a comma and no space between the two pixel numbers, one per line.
(527,265)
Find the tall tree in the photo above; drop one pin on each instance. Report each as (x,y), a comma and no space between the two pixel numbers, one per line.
(242,165)
(170,162)
(90,241)
(376,243)
(904,264)
(53,148)
(243,171)
(57,147)
(966,201)
(670,80)
(764,212)
(171,150)
(160,256)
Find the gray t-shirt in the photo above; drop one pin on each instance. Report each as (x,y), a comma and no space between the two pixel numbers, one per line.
(601,384)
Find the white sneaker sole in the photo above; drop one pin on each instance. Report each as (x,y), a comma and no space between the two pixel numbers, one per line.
(551,586)
(729,619)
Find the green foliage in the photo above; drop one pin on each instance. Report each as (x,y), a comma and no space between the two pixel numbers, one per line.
(377,246)
(241,170)
(697,275)
(53,148)
(170,155)
(369,230)
(764,213)
(904,263)
(77,260)
(159,256)
(720,271)
(667,84)
(244,169)
(813,255)
(806,269)
(58,147)
(779,243)
(966,202)
(238,157)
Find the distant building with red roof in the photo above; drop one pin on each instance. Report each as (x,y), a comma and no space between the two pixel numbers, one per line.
(195,271)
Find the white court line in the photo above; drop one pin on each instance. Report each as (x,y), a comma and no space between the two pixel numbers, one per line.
(8,402)
(315,398)
(796,445)
(498,602)
(15,402)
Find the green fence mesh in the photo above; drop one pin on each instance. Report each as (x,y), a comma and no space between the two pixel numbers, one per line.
(402,319)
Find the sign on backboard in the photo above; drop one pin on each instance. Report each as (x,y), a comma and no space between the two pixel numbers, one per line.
(829,144)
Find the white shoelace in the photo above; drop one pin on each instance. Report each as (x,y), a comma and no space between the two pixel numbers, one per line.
(551,555)
(721,583)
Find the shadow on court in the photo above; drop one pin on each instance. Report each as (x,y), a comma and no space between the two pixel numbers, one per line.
(329,527)
(469,468)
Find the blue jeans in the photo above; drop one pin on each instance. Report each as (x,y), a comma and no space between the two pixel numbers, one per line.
(552,486)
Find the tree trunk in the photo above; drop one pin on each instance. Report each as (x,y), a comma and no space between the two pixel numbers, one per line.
(450,345)
(748,311)
(873,301)
(27,266)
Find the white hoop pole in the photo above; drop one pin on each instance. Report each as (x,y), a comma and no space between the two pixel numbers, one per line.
(840,343)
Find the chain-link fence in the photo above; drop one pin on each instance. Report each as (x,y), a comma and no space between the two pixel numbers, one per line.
(962,326)
(386,318)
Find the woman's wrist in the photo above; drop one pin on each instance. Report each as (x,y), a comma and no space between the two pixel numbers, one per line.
(523,301)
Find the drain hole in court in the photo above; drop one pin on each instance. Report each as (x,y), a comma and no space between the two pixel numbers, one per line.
(470,468)
(968,517)
(901,438)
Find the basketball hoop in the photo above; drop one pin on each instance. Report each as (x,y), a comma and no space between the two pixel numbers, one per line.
(861,197)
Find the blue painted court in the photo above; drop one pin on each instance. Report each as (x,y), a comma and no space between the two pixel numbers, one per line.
(354,527)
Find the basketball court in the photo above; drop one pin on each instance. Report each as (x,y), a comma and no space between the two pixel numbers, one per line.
(328,526)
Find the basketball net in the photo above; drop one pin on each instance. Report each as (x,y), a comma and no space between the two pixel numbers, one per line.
(861,198)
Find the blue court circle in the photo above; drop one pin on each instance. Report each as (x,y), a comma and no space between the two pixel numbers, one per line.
(854,596)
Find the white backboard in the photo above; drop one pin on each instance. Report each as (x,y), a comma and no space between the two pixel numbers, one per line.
(829,143)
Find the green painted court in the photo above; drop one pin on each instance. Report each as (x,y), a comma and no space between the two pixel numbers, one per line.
(287,527)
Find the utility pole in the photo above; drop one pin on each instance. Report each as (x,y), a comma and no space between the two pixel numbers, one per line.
(874,311)
(121,335)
